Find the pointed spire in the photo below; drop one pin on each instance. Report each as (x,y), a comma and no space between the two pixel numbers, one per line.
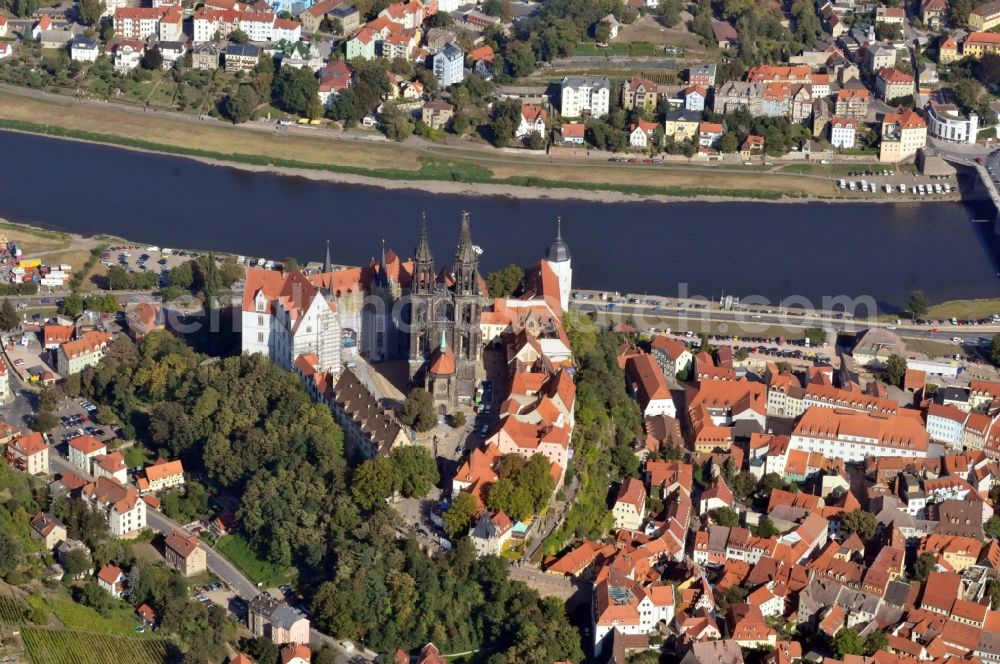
(559,228)
(444,343)
(423,252)
(466,251)
(327,266)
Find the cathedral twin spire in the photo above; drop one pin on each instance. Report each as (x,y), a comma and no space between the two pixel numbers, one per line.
(466,259)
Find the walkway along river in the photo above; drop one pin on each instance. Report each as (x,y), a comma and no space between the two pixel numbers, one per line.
(772,250)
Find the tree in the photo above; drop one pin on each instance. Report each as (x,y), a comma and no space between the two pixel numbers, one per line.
(418,410)
(44,420)
(238,107)
(459,516)
(888,31)
(8,316)
(728,143)
(995,350)
(847,642)
(994,591)
(918,304)
(72,305)
(263,650)
(967,92)
(536,141)
(895,369)
(373,482)
(294,88)
(458,419)
(671,12)
(861,522)
(91,11)
(725,516)
(602,32)
(992,526)
(874,642)
(766,528)
(504,283)
(924,565)
(152,59)
(959,11)
(237,36)
(10,554)
(415,470)
(77,562)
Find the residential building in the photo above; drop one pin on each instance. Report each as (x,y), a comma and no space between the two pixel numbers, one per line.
(947,122)
(751,147)
(312,17)
(580,95)
(46,528)
(639,93)
(648,386)
(258,26)
(893,84)
(852,103)
(625,606)
(573,133)
(947,50)
(83,450)
(671,354)
(703,75)
(978,44)
(890,15)
(709,134)
(903,133)
(3,26)
(842,133)
(296,653)
(879,57)
(641,133)
(160,476)
(731,96)
(171,25)
(205,56)
(184,553)
(532,121)
(348,16)
(449,66)
(491,533)
(137,23)
(241,57)
(681,125)
(985,17)
(695,97)
(369,429)
(6,50)
(121,506)
(84,49)
(111,579)
(86,351)
(725,34)
(482,62)
(28,453)
(437,114)
(933,13)
(127,56)
(630,506)
(361,45)
(853,435)
(275,619)
(110,465)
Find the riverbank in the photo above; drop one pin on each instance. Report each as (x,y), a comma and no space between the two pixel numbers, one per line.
(321,154)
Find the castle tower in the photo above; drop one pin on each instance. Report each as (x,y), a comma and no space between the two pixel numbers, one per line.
(559,260)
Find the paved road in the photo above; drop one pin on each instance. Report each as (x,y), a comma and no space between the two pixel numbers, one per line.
(217,564)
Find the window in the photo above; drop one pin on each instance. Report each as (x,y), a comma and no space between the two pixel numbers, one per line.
(260,321)
(260,337)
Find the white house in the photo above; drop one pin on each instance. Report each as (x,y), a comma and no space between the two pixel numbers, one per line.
(641,133)
(3,26)
(6,50)
(490,533)
(843,133)
(646,383)
(121,506)
(630,506)
(532,120)
(671,354)
(581,95)
(694,98)
(285,316)
(449,66)
(83,449)
(111,580)
(127,56)
(945,424)
(629,608)
(84,49)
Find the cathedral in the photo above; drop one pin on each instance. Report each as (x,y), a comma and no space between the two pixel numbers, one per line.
(442,321)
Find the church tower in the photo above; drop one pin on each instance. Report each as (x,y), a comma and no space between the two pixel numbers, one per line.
(467,338)
(559,260)
(421,305)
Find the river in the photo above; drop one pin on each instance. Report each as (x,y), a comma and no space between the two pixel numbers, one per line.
(765,249)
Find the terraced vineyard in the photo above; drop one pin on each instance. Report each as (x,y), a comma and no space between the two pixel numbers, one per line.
(11,611)
(46,646)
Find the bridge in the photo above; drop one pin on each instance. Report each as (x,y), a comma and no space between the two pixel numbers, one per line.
(985,178)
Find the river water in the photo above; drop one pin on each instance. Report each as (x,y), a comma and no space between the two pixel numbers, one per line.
(693,248)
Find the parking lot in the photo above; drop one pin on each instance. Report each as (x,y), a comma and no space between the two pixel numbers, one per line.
(77,418)
(27,357)
(137,258)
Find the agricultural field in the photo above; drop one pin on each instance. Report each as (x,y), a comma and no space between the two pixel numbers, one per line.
(67,647)
(11,611)
(120,621)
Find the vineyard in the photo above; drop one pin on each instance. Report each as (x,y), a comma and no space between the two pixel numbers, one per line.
(47,646)
(11,611)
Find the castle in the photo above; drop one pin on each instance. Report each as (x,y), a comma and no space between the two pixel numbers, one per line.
(391,309)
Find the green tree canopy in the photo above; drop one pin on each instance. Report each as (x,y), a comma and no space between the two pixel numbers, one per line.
(418,410)
(859,521)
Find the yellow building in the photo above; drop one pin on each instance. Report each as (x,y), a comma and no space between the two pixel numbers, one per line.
(903,134)
(986,16)
(979,44)
(682,125)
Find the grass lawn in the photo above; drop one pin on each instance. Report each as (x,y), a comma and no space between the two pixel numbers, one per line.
(137,455)
(965,309)
(120,621)
(237,550)
(163,95)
